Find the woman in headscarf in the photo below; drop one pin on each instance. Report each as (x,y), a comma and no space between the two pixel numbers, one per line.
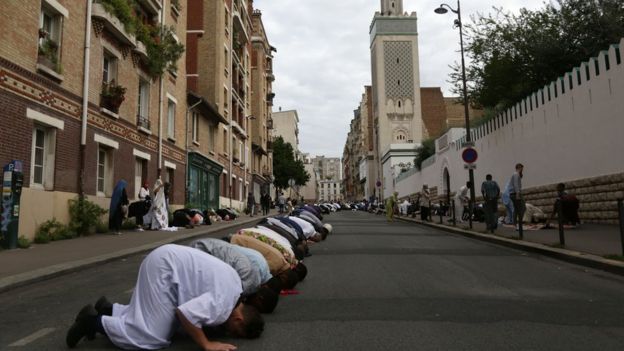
(160,215)
(115,212)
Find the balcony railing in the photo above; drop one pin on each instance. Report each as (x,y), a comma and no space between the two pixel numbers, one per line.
(143,122)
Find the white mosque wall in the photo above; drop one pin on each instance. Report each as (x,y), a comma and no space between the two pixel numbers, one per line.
(571,129)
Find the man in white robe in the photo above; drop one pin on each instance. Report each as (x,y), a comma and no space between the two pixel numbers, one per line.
(176,286)
(308,228)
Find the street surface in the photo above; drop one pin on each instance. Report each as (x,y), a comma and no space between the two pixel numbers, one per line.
(375,286)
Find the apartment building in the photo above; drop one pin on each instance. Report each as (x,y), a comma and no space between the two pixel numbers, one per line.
(261,105)
(91,97)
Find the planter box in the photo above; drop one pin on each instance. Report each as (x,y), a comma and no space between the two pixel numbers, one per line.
(113,25)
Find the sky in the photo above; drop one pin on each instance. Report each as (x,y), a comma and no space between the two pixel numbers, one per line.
(323,57)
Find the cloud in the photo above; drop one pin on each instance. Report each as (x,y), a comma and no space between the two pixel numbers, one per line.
(323,58)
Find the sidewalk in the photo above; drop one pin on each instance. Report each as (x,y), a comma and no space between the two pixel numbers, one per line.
(587,245)
(41,261)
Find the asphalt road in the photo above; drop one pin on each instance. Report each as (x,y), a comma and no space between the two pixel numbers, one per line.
(376,286)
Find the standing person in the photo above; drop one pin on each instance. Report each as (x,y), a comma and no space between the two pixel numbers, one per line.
(141,208)
(509,217)
(265,200)
(391,203)
(281,202)
(461,199)
(159,213)
(515,194)
(177,287)
(491,193)
(423,200)
(118,207)
(251,204)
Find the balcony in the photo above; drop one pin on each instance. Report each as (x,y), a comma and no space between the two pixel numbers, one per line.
(112,25)
(269,146)
(270,123)
(152,6)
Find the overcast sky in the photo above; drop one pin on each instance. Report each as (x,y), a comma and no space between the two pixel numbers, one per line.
(323,57)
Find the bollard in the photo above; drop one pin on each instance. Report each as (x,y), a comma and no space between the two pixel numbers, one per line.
(453,207)
(520,213)
(440,212)
(470,212)
(621,216)
(429,218)
(560,222)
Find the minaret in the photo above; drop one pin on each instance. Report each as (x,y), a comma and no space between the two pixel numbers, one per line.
(391,7)
(395,90)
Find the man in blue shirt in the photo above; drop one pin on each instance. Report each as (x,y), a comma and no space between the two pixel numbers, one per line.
(491,193)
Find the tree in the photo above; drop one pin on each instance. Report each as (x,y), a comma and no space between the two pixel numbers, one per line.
(513,56)
(285,167)
(424,151)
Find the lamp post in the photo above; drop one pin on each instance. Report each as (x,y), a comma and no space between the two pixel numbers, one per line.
(458,23)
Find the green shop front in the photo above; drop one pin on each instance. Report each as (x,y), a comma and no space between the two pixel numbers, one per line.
(203,182)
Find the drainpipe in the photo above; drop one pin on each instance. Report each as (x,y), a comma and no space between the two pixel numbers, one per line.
(186,146)
(160,102)
(85,104)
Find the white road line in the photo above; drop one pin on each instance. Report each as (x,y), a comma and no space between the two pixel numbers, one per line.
(32,337)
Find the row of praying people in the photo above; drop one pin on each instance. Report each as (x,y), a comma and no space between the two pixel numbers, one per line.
(209,289)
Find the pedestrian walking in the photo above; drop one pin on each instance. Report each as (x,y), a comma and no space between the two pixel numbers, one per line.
(461,200)
(491,192)
(515,194)
(424,203)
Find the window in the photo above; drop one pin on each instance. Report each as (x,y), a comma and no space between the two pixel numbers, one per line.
(211,137)
(169,178)
(109,68)
(171,111)
(195,126)
(140,174)
(225,144)
(50,30)
(143,104)
(104,171)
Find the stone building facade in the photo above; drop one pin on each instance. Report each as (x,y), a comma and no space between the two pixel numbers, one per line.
(135,125)
(136,134)
(261,106)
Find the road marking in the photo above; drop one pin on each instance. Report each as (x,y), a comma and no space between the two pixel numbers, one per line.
(32,337)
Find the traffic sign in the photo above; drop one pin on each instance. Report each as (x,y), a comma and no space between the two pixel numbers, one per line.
(468,144)
(470,155)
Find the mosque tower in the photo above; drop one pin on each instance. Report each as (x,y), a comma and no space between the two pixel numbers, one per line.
(391,7)
(396,90)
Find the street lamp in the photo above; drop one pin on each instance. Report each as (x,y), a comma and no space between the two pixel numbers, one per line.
(444,8)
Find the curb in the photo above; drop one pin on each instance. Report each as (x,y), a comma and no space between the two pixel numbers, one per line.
(575,257)
(18,280)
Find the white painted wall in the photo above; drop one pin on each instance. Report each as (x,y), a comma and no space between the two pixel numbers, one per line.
(576,135)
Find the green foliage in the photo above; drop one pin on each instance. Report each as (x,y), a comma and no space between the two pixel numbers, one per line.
(53,230)
(101,228)
(285,167)
(84,215)
(515,55)
(23,242)
(123,10)
(163,50)
(426,150)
